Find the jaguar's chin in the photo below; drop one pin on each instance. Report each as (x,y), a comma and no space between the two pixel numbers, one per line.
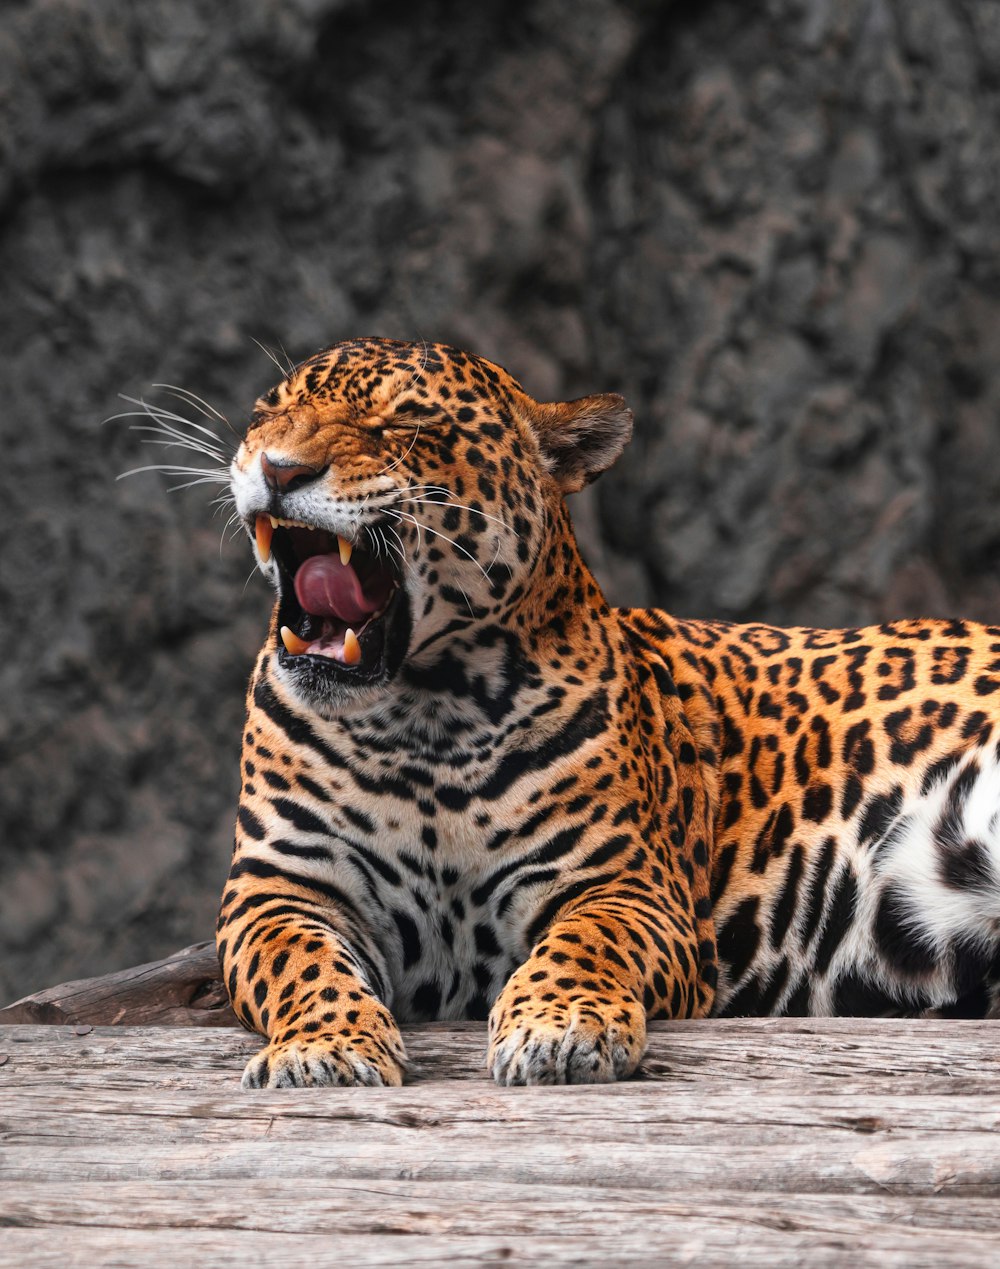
(343,615)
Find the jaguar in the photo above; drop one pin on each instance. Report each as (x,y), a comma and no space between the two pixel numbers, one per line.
(472,789)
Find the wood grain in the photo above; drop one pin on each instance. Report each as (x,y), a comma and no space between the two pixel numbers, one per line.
(758,1142)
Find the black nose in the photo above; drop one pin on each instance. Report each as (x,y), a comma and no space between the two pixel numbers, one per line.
(283,476)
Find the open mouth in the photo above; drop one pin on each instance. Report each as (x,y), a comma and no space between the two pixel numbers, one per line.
(337,598)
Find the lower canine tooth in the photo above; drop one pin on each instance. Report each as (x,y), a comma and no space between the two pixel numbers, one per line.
(346,550)
(265,531)
(352,649)
(292,642)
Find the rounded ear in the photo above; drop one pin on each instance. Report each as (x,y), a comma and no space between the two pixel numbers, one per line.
(580,439)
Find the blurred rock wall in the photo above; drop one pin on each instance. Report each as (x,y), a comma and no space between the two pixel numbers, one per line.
(773,226)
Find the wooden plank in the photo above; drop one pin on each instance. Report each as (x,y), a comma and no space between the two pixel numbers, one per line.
(183,990)
(752,1158)
(850,1054)
(692,1241)
(504,1232)
(603,1111)
(758,1142)
(801,1130)
(464,1208)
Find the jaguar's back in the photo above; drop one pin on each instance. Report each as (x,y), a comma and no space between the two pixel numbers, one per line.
(471,788)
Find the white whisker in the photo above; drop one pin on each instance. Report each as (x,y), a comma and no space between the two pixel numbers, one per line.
(200,404)
(271,357)
(390,466)
(448,500)
(235,516)
(405,515)
(161,427)
(402,548)
(434,502)
(496,556)
(160,414)
(177,442)
(189,484)
(169,469)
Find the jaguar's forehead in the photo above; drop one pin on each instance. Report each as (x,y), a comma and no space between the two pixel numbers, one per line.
(365,377)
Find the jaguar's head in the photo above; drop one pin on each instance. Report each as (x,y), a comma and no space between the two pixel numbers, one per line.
(399,495)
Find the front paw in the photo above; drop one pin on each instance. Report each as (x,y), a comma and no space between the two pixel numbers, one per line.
(371,1054)
(534,1041)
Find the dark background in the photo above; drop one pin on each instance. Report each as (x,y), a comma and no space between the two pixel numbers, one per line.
(772,225)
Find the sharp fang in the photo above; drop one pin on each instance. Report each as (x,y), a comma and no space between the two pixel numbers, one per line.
(293,644)
(346,550)
(274,522)
(265,531)
(352,649)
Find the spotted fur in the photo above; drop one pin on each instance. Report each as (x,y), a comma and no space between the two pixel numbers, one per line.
(528,807)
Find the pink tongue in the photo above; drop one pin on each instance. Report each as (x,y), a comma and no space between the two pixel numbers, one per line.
(327,588)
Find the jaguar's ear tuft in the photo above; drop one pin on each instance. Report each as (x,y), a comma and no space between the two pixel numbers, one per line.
(580,439)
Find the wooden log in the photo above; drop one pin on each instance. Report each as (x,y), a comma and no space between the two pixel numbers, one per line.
(183,990)
(760,1142)
(466,1209)
(745,1157)
(799,1125)
(380,1225)
(845,1055)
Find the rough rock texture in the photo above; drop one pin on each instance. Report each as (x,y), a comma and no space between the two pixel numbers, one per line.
(773,226)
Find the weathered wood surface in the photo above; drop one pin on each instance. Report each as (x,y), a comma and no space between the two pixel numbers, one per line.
(753,1142)
(182,990)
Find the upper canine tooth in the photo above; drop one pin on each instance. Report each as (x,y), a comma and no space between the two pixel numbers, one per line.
(346,550)
(274,522)
(264,533)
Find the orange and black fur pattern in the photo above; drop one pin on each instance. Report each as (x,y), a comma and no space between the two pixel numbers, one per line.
(472,789)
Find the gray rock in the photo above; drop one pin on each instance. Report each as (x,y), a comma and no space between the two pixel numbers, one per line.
(772,226)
